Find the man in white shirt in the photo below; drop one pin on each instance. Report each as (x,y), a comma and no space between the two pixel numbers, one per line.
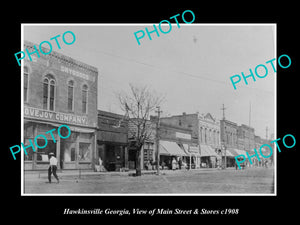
(52,167)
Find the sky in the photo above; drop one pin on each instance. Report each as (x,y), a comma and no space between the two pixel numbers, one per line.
(191,66)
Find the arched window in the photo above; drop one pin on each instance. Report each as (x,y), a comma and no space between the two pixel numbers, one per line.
(48,92)
(84,98)
(26,73)
(71,95)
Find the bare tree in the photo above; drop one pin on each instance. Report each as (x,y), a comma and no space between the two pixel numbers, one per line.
(138,105)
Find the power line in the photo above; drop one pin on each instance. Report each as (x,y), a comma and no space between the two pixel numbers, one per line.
(165,69)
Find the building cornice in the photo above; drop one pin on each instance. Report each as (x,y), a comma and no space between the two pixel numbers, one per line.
(67,60)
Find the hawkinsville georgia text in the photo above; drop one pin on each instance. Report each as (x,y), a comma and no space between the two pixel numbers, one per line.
(260,150)
(41,136)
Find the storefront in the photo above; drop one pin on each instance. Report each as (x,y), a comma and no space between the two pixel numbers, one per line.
(59,90)
(112,142)
(169,151)
(230,157)
(75,152)
(209,157)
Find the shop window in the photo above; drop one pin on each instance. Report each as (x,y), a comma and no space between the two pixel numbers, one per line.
(43,153)
(29,156)
(73,154)
(69,151)
(148,152)
(84,152)
(28,131)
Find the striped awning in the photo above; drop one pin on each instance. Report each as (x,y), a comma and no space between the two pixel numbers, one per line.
(191,150)
(171,148)
(206,150)
(240,152)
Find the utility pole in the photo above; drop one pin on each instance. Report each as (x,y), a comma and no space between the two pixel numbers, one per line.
(223,108)
(223,147)
(158,111)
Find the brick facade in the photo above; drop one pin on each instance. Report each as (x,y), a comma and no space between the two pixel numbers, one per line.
(47,105)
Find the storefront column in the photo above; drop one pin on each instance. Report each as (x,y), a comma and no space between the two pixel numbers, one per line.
(58,141)
(34,158)
(126,157)
(77,151)
(94,150)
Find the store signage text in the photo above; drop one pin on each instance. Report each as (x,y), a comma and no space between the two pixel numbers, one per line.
(23,54)
(142,33)
(55,116)
(76,73)
(183,135)
(265,145)
(38,137)
(261,71)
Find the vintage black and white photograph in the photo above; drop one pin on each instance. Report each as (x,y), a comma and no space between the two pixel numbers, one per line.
(148,109)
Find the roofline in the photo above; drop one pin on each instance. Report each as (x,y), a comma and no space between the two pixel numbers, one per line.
(63,57)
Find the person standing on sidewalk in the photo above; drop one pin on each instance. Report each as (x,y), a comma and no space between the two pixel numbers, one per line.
(52,167)
(174,164)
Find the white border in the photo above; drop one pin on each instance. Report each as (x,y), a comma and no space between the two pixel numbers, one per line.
(274,25)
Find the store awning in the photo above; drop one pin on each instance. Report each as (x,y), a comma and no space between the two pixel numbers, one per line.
(191,150)
(228,153)
(81,129)
(186,148)
(194,150)
(207,150)
(232,152)
(240,152)
(171,148)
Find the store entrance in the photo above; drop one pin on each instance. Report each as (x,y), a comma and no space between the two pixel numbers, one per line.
(114,157)
(43,154)
(131,159)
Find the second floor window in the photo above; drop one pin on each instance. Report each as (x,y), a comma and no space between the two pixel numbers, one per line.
(70,95)
(26,72)
(48,93)
(84,98)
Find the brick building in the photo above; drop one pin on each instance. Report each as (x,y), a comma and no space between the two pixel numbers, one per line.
(112,141)
(205,133)
(229,131)
(59,90)
(174,142)
(229,140)
(245,137)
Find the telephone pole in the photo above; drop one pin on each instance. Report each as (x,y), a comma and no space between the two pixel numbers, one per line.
(158,111)
(223,146)
(223,108)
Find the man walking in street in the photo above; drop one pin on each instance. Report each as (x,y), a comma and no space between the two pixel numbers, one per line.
(52,167)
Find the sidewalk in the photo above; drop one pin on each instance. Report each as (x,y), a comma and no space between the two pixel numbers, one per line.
(81,173)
